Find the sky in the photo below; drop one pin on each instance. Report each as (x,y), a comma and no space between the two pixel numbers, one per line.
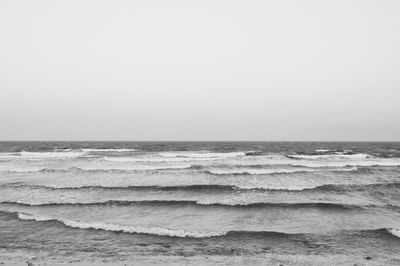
(200,70)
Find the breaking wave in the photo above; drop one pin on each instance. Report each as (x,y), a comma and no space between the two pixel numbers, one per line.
(274,171)
(331,156)
(107,150)
(201,154)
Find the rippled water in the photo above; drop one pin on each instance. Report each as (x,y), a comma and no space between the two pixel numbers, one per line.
(122,200)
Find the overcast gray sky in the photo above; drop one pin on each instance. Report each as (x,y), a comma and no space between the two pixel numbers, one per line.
(199,70)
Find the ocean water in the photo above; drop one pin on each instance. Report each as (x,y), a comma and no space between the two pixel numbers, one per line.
(274,202)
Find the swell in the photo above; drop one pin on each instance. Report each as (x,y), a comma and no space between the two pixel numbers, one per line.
(182,203)
(386,233)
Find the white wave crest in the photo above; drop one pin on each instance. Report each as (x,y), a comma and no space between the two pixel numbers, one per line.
(274,171)
(135,167)
(21,170)
(257,171)
(107,150)
(322,150)
(331,156)
(201,154)
(68,154)
(157,159)
(393,231)
(122,228)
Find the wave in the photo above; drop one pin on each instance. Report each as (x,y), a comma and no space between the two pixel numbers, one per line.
(214,170)
(274,171)
(152,231)
(42,155)
(134,188)
(23,170)
(307,161)
(222,188)
(159,159)
(393,231)
(180,233)
(57,154)
(129,168)
(121,228)
(107,150)
(315,163)
(322,150)
(355,187)
(330,156)
(177,157)
(256,171)
(181,203)
(215,187)
(201,154)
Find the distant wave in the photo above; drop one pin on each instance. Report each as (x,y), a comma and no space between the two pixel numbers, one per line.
(130,168)
(107,150)
(159,159)
(309,161)
(330,156)
(201,154)
(214,170)
(22,170)
(256,171)
(164,188)
(214,187)
(177,157)
(316,205)
(42,155)
(57,154)
(222,188)
(101,169)
(275,171)
(322,150)
(355,187)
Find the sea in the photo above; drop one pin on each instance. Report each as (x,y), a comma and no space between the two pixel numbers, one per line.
(203,203)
